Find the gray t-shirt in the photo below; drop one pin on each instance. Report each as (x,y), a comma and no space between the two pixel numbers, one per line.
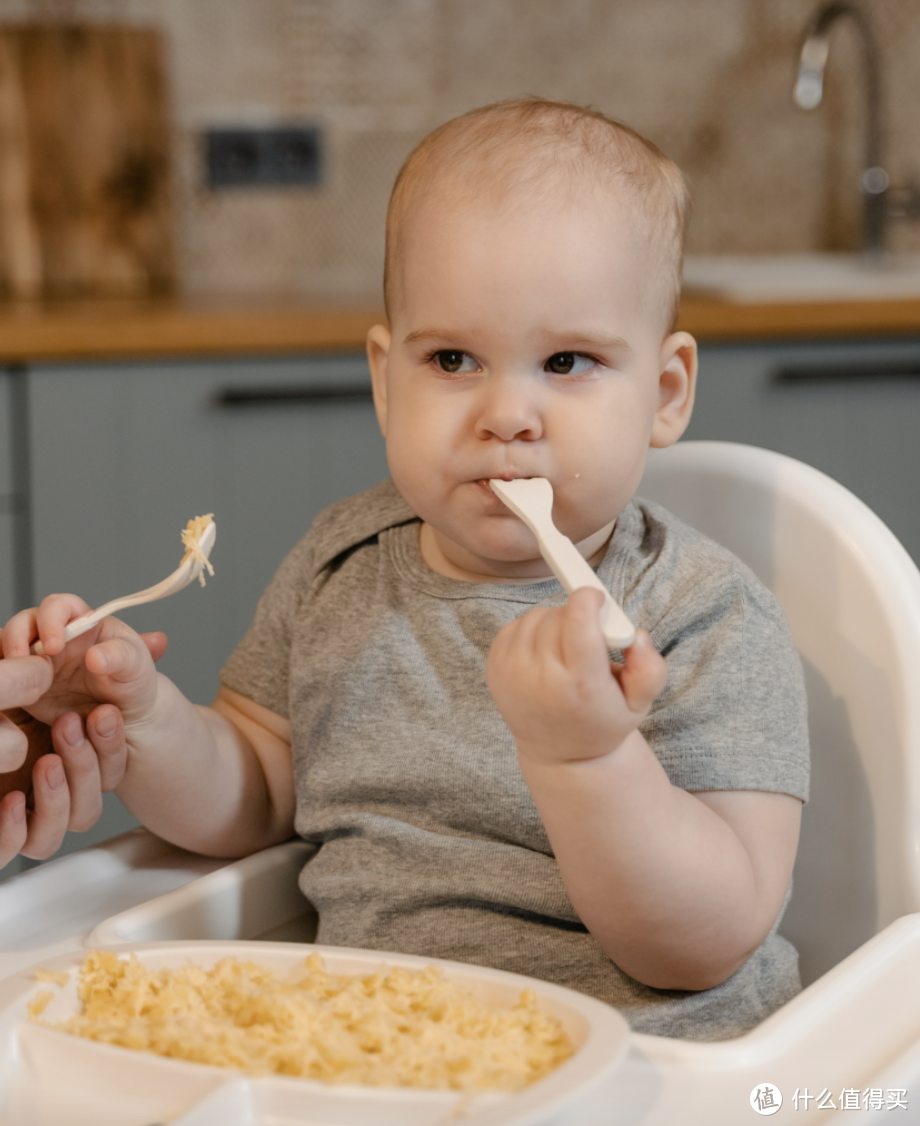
(407,779)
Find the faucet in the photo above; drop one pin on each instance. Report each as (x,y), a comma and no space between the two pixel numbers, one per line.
(809,88)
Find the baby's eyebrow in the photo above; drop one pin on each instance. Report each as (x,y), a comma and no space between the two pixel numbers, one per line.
(577,341)
(429,334)
(558,341)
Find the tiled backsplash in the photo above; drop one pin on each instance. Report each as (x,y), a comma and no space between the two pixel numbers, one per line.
(708,80)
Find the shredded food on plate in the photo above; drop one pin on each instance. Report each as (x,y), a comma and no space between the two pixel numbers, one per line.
(394,1028)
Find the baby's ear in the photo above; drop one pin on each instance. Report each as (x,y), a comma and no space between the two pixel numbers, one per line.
(676,388)
(378,352)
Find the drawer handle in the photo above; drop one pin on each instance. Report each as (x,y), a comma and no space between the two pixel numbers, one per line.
(278,396)
(846,373)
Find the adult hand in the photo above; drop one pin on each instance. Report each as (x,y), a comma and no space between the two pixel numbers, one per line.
(23,681)
(109,664)
(53,792)
(43,794)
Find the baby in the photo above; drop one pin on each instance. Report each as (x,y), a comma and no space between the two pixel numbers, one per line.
(415,695)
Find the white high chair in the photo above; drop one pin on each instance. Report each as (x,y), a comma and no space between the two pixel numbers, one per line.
(851,594)
(852,597)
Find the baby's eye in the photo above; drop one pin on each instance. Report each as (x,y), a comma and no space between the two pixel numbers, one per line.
(568,363)
(452,361)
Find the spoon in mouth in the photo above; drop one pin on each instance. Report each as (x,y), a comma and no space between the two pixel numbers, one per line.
(531,499)
(198,537)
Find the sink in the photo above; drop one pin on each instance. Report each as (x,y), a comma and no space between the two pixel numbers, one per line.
(766,278)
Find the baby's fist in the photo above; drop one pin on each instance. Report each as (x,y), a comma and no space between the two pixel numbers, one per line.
(552,680)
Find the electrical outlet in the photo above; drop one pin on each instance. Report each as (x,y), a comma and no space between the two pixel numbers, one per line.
(237,158)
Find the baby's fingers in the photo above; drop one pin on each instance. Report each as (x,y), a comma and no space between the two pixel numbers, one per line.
(106,731)
(120,659)
(52,617)
(156,644)
(643,674)
(583,648)
(19,633)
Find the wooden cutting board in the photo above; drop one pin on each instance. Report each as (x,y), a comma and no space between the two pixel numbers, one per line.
(85,204)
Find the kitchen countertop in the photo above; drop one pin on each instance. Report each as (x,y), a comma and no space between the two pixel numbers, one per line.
(712,319)
(112,330)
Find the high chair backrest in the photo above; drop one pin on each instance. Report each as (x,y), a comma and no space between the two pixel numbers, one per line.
(852,596)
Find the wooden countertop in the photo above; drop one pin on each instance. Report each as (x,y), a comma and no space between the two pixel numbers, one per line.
(152,329)
(712,320)
(136,330)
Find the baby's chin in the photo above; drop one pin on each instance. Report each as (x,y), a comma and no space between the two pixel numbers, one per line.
(498,552)
(504,540)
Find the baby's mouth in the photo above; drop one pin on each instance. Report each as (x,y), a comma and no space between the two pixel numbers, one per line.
(483,482)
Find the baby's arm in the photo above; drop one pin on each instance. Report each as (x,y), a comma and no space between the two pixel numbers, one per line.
(216,780)
(678,888)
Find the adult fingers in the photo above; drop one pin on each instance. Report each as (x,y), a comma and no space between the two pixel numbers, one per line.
(105,729)
(14,745)
(81,770)
(53,615)
(13,826)
(156,644)
(38,743)
(48,820)
(23,680)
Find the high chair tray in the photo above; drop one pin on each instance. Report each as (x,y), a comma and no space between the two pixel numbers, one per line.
(50,1078)
(857,1026)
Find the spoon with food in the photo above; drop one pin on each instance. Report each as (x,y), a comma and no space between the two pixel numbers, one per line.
(198,539)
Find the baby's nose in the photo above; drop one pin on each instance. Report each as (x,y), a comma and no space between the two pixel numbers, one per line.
(509,411)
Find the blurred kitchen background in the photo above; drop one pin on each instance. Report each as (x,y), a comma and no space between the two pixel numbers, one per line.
(709,81)
(192,202)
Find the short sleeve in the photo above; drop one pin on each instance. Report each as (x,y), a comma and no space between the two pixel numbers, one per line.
(258,667)
(733,715)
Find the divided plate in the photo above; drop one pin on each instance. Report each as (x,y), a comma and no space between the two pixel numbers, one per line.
(50,1078)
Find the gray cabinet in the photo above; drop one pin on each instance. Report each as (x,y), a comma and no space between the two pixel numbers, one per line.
(122,456)
(851,409)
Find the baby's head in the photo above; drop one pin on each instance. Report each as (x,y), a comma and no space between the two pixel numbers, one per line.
(532,279)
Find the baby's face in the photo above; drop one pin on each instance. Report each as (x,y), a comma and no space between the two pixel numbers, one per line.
(524,344)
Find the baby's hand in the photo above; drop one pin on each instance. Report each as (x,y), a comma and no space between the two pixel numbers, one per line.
(556,688)
(110,664)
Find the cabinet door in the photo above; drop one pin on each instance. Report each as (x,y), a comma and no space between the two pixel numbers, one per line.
(851,409)
(123,456)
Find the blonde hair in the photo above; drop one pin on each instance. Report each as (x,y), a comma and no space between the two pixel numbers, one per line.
(545,146)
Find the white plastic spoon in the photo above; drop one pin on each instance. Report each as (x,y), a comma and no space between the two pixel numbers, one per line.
(531,498)
(198,537)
